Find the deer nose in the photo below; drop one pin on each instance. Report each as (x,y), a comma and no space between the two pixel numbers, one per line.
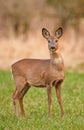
(52,48)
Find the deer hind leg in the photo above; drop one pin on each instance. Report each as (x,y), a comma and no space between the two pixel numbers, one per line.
(15,101)
(58,88)
(21,95)
(20,83)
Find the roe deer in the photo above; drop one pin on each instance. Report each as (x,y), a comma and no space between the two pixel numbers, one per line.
(40,73)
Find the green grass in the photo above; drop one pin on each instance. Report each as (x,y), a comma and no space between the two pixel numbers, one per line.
(35,103)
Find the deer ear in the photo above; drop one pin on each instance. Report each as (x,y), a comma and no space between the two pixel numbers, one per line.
(59,32)
(45,33)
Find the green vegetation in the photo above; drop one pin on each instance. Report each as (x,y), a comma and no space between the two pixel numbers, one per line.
(68,10)
(35,103)
(18,15)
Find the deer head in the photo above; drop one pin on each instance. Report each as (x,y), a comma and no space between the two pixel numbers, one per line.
(52,40)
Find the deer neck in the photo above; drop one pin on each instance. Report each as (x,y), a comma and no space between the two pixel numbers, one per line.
(55,58)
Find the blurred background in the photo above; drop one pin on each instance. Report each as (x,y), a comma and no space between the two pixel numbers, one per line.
(21,22)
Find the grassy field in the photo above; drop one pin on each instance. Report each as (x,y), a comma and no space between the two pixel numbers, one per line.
(35,103)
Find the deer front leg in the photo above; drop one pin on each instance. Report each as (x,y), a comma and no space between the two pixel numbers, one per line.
(49,99)
(58,89)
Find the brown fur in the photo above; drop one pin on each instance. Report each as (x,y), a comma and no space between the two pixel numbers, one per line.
(40,73)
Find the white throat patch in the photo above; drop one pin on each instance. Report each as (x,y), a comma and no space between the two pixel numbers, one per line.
(57,60)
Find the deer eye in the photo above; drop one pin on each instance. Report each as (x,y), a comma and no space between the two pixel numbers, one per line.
(48,41)
(56,40)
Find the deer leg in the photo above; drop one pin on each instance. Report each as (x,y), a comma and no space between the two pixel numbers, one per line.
(15,101)
(49,99)
(58,88)
(22,93)
(20,83)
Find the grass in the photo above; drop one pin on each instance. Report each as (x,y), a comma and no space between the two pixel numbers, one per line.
(35,103)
